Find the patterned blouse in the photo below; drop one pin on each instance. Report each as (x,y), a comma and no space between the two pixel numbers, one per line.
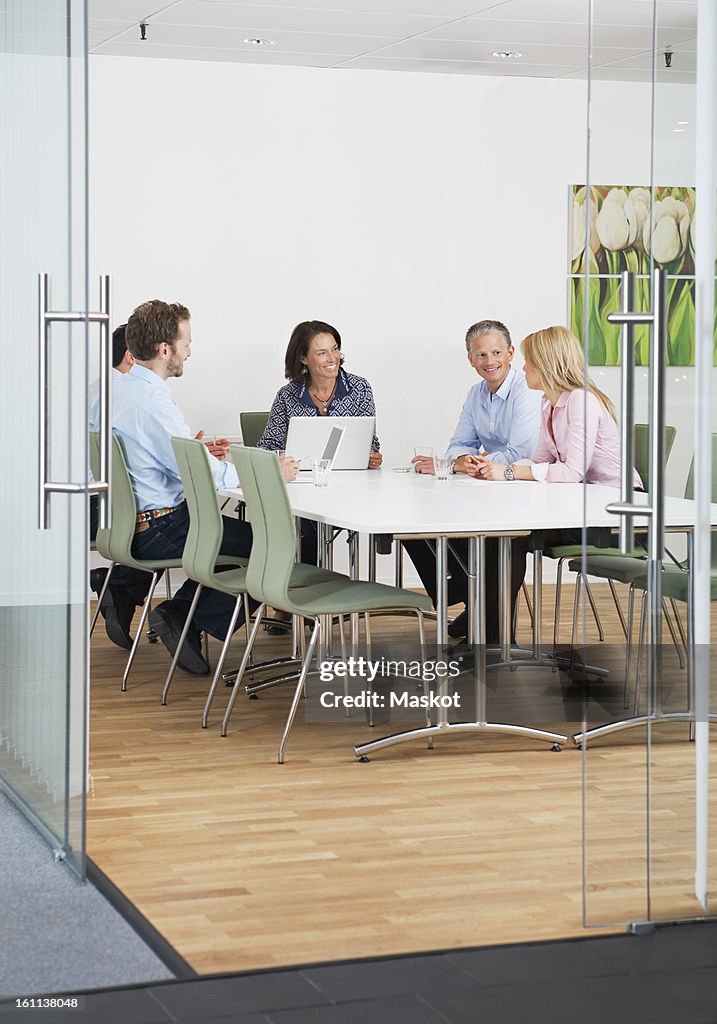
(352,397)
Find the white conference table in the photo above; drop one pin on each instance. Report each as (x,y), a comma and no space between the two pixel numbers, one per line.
(410,505)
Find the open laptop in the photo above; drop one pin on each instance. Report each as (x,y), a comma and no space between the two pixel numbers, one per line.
(314,437)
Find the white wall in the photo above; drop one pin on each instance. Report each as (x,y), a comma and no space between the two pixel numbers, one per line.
(399,207)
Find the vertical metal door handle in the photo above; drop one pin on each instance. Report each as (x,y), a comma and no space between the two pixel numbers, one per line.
(627,391)
(47,487)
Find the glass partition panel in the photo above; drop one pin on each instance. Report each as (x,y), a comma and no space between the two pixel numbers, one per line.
(675,246)
(640,776)
(43,594)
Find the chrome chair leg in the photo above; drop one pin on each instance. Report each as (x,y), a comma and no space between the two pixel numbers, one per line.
(618,607)
(528,602)
(182,638)
(222,655)
(558,594)
(593,606)
(238,681)
(640,644)
(628,653)
(101,594)
(426,689)
(167,585)
(673,634)
(145,611)
(299,688)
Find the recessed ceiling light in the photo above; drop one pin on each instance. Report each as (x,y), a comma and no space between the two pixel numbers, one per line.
(678,130)
(260,42)
(506,54)
(683,122)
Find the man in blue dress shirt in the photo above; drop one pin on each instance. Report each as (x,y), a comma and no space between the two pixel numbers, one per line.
(145,417)
(500,420)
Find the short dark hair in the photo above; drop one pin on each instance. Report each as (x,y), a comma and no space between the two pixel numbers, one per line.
(299,342)
(119,344)
(152,323)
(487,327)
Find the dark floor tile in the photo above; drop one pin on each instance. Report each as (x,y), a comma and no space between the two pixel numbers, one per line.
(667,948)
(688,997)
(375,978)
(396,1010)
(118,1007)
(509,965)
(231,1018)
(256,993)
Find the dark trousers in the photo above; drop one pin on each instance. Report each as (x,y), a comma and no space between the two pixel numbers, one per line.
(423,557)
(166,537)
(134,582)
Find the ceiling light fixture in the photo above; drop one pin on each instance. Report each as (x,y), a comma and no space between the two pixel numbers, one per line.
(257,41)
(506,54)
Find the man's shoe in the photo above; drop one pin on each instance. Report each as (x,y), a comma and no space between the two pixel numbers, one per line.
(116,608)
(167,622)
(458,629)
(97,579)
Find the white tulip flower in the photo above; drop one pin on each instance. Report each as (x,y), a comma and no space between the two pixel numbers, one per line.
(640,199)
(617,222)
(579,228)
(666,236)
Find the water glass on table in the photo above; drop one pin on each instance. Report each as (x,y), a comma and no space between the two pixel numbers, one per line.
(421,453)
(321,471)
(442,465)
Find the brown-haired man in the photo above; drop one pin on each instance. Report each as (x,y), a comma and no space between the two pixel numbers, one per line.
(145,417)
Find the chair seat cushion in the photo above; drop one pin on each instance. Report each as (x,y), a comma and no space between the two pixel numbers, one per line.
(575,551)
(622,568)
(675,583)
(341,595)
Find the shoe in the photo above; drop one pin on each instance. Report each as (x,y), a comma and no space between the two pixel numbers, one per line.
(117,610)
(458,629)
(167,622)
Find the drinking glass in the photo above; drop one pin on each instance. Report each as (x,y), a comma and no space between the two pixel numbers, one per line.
(321,470)
(442,466)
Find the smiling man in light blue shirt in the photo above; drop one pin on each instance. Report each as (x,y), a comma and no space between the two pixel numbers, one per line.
(500,417)
(500,420)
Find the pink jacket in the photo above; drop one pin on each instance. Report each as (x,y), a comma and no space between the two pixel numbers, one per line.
(578,441)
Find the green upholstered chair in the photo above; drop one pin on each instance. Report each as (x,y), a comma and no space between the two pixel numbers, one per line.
(252,426)
(201,559)
(565,552)
(115,544)
(675,579)
(274,580)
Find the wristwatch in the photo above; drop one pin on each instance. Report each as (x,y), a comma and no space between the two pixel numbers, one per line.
(509,473)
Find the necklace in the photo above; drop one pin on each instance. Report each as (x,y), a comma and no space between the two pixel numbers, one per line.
(323,402)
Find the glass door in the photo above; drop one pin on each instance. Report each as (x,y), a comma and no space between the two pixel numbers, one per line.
(43,418)
(650,201)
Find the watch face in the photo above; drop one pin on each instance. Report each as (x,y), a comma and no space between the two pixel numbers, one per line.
(509,474)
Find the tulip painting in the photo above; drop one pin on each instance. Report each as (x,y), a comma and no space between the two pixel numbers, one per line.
(617,228)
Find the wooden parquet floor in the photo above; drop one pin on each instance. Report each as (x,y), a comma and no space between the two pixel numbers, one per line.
(242,863)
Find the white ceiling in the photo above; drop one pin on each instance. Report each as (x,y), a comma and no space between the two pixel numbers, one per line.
(448,36)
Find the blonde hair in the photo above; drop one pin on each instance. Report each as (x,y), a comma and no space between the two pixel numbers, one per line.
(556,354)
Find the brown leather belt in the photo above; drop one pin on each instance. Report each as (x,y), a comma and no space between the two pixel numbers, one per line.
(144,518)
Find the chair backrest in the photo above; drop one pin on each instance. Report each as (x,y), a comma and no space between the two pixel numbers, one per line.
(259,538)
(641,438)
(115,544)
(252,426)
(205,519)
(268,499)
(690,490)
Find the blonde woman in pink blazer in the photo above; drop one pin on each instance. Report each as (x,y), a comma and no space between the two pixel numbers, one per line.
(579,439)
